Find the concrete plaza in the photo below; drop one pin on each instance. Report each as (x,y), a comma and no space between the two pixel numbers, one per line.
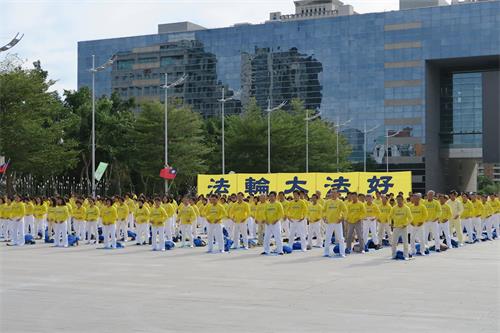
(84,289)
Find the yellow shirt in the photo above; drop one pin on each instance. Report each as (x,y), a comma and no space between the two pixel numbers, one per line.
(240,211)
(122,211)
(215,213)
(385,213)
(468,210)
(253,209)
(61,214)
(457,209)
(109,215)
(274,212)
(17,210)
(187,214)
(445,213)
(401,216)
(141,215)
(169,208)
(50,213)
(334,210)
(29,207)
(487,210)
(372,211)
(296,210)
(157,216)
(40,211)
(131,205)
(196,210)
(433,209)
(92,213)
(478,208)
(355,212)
(314,212)
(79,213)
(260,212)
(419,214)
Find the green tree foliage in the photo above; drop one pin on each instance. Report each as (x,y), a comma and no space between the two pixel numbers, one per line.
(487,186)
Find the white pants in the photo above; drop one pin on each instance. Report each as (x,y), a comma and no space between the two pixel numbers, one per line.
(384,229)
(273,230)
(298,228)
(80,228)
(91,227)
(444,228)
(370,226)
(286,228)
(130,222)
(61,234)
(168,229)
(314,230)
(417,233)
(187,233)
(158,237)
(403,233)
(121,229)
(252,228)
(229,225)
(18,231)
(488,225)
(477,226)
(339,238)
(240,228)
(142,232)
(29,225)
(496,223)
(40,226)
(4,227)
(214,232)
(432,228)
(467,224)
(109,234)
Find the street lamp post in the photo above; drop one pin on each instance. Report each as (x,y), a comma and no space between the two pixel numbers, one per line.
(17,38)
(166,86)
(308,119)
(223,101)
(387,136)
(338,125)
(269,110)
(365,132)
(94,70)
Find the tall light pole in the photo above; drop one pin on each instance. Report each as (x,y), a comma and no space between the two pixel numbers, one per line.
(94,70)
(223,101)
(269,110)
(308,119)
(338,125)
(166,86)
(387,136)
(365,132)
(17,38)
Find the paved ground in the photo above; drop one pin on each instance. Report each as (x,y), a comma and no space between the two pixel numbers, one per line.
(83,289)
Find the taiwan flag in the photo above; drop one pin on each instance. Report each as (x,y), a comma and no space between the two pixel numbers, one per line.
(3,167)
(168,173)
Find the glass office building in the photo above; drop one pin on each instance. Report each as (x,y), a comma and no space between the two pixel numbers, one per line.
(425,75)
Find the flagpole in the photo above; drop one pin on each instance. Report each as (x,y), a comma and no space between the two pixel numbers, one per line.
(3,173)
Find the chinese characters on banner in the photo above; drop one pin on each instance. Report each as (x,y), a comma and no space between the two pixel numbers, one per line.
(361,182)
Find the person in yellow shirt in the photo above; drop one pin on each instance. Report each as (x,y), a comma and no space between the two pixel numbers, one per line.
(444,219)
(468,214)
(296,212)
(122,211)
(194,226)
(455,221)
(78,215)
(61,218)
(29,219)
(260,218)
(158,218)
(334,212)
(186,218)
(252,226)
(384,220)
(215,212)
(477,223)
(431,226)
(52,204)
(170,226)
(370,221)
(315,219)
(487,217)
(401,218)
(285,223)
(109,217)
(240,213)
(40,215)
(419,215)
(3,218)
(17,214)
(495,204)
(227,223)
(356,212)
(274,215)
(92,214)
(131,204)
(141,219)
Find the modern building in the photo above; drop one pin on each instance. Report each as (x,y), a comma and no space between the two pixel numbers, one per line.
(428,77)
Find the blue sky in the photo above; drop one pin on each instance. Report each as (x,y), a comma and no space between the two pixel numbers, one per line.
(52,28)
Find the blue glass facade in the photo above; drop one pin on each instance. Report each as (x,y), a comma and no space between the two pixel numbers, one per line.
(369,68)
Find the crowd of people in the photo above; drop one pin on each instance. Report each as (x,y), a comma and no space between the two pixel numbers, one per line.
(340,224)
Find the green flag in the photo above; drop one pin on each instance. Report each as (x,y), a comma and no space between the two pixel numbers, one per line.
(100,171)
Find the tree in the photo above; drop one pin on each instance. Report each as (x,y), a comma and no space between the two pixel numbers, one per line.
(486,185)
(34,124)
(187,149)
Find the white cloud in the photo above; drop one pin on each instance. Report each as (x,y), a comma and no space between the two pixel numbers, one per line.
(53,28)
